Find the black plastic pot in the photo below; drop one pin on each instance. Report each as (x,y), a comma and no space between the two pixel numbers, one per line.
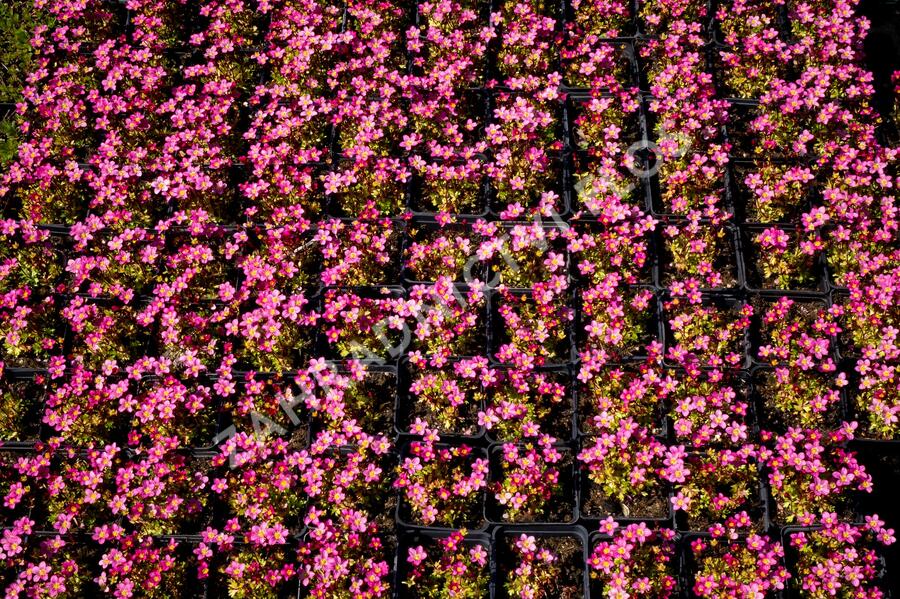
(722,302)
(575,559)
(393,351)
(407,521)
(558,180)
(882,462)
(564,501)
(290,422)
(506,261)
(560,421)
(624,47)
(740,382)
(675,568)
(421,207)
(217,585)
(659,424)
(424,230)
(763,303)
(750,254)
(770,419)
(471,343)
(380,383)
(885,579)
(590,518)
(741,197)
(728,261)
(650,273)
(756,506)
(688,566)
(31,388)
(650,325)
(562,354)
(428,539)
(856,412)
(468,431)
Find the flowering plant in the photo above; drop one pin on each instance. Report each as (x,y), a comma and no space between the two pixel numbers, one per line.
(628,469)
(722,482)
(714,335)
(448,399)
(451,568)
(735,563)
(634,558)
(543,566)
(838,559)
(525,403)
(442,485)
(530,486)
(809,471)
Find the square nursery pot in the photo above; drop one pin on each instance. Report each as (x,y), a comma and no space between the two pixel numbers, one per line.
(742,198)
(582,178)
(503,268)
(31,505)
(742,139)
(556,178)
(44,322)
(560,419)
(886,578)
(472,342)
(388,274)
(629,73)
(689,565)
(289,418)
(578,108)
(592,507)
(429,540)
(741,383)
(562,353)
(562,504)
(22,397)
(346,202)
(648,276)
(654,188)
(658,422)
(80,549)
(805,304)
(833,275)
(476,194)
(375,400)
(676,563)
(295,356)
(387,349)
(756,506)
(569,543)
(426,230)
(846,349)
(302,249)
(202,429)
(407,408)
(855,411)
(475,522)
(218,583)
(751,253)
(765,389)
(390,545)
(650,327)
(727,258)
(725,302)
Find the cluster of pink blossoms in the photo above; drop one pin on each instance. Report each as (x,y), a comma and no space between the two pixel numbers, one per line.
(327,298)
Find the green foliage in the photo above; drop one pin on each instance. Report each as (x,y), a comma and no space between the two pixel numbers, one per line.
(18,19)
